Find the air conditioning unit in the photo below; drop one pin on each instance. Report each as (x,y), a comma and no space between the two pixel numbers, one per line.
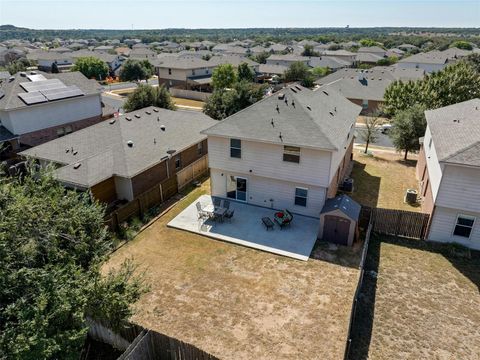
(411,196)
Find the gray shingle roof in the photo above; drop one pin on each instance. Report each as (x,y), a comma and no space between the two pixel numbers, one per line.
(102,149)
(456,132)
(345,204)
(13,88)
(234,60)
(316,119)
(174,62)
(272,69)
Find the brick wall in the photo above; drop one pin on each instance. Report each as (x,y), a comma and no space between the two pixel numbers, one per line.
(341,172)
(42,136)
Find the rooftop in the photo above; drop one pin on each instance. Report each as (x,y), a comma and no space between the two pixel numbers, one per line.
(124,146)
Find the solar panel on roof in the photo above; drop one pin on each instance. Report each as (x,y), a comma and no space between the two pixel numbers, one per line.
(34,97)
(42,85)
(36,77)
(63,93)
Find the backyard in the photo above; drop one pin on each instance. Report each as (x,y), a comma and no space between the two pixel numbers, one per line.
(382,178)
(420,300)
(240,303)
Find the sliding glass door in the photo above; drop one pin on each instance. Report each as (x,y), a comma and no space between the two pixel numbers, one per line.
(237,188)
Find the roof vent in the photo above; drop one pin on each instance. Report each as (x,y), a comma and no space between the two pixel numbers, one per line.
(162,127)
(75,152)
(77,165)
(33,73)
(298,88)
(278,109)
(130,143)
(11,78)
(155,109)
(128,118)
(456,120)
(331,113)
(326,93)
(280,136)
(137,116)
(293,103)
(281,96)
(295,91)
(67,150)
(111,122)
(23,74)
(273,124)
(309,108)
(148,112)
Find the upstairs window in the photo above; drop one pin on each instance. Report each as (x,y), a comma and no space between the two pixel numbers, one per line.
(464,225)
(68,129)
(291,154)
(60,132)
(178,162)
(365,104)
(169,71)
(193,72)
(235,148)
(200,148)
(301,197)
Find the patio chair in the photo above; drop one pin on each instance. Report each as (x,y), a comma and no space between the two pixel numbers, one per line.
(229,215)
(226,204)
(217,202)
(201,214)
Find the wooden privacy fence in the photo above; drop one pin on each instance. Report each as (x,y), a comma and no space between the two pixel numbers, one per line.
(397,222)
(192,172)
(138,343)
(142,203)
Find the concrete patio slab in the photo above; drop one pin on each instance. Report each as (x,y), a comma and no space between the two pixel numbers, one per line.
(247,229)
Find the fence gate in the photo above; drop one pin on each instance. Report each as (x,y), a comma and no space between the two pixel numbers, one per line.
(400,223)
(192,172)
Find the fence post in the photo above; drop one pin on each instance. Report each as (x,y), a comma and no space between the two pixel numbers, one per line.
(161,192)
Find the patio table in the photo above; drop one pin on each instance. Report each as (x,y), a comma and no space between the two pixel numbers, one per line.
(219,211)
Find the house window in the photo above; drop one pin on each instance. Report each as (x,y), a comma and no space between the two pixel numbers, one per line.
(207,71)
(60,131)
(169,71)
(291,154)
(68,129)
(200,148)
(365,104)
(193,72)
(235,148)
(178,162)
(301,196)
(464,225)
(430,143)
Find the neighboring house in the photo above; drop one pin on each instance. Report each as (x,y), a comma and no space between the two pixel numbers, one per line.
(376,50)
(367,87)
(367,58)
(433,60)
(278,48)
(46,59)
(449,173)
(289,150)
(9,55)
(184,72)
(330,62)
(234,60)
(395,52)
(113,61)
(142,53)
(407,47)
(270,73)
(38,107)
(340,54)
(287,59)
(120,159)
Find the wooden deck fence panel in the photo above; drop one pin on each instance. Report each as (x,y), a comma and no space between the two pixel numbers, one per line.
(399,222)
(192,172)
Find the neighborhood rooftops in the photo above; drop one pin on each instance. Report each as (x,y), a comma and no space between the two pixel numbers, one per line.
(455,132)
(122,147)
(13,89)
(293,116)
(173,62)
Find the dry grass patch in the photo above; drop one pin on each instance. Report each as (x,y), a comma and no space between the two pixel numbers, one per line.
(188,102)
(240,303)
(423,304)
(381,179)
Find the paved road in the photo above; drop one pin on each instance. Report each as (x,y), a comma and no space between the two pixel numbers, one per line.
(114,101)
(382,139)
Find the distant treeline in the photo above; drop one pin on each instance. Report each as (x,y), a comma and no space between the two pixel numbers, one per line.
(384,35)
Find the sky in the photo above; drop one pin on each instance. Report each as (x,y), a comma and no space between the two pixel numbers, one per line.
(161,14)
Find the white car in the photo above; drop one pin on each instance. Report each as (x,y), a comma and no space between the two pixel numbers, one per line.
(385,128)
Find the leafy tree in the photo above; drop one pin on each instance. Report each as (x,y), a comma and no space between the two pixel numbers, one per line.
(135,70)
(461,44)
(91,67)
(224,76)
(17,66)
(308,51)
(52,243)
(298,71)
(368,42)
(456,83)
(223,103)
(261,58)
(474,61)
(54,68)
(146,95)
(408,126)
(245,72)
(369,133)
(320,71)
(387,61)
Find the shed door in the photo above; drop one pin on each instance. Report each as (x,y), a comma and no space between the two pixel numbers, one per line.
(336,229)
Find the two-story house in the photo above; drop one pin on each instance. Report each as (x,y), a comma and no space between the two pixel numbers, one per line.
(289,150)
(183,72)
(37,107)
(449,172)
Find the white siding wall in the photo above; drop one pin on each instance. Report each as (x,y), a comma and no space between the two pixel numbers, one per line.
(182,74)
(460,188)
(443,223)
(286,63)
(266,160)
(123,188)
(337,156)
(434,168)
(43,116)
(261,190)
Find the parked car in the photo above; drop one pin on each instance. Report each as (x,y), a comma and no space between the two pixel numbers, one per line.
(385,128)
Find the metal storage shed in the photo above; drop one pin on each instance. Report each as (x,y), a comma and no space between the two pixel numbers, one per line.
(338,220)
